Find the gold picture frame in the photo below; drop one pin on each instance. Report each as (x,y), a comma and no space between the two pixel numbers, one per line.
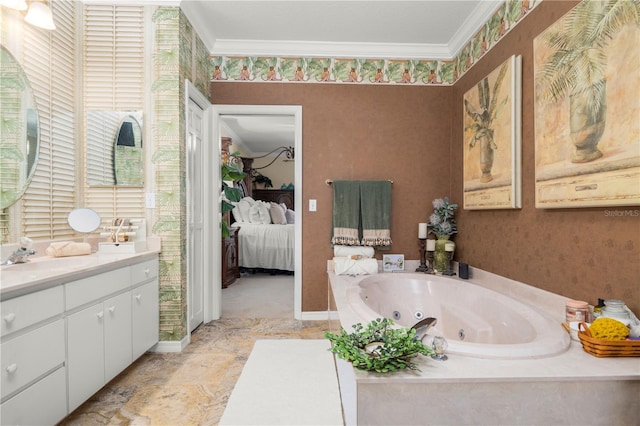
(492,113)
(587,132)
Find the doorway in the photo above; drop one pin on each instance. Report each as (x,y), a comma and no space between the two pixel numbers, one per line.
(295,111)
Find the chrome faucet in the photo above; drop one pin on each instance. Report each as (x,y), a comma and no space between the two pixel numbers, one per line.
(422,326)
(22,254)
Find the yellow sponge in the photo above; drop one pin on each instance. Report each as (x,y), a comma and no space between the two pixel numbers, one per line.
(608,329)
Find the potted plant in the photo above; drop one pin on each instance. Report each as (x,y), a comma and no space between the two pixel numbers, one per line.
(261,181)
(379,346)
(577,67)
(443,225)
(230,173)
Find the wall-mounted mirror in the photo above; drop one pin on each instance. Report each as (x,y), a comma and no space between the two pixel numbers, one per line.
(114,148)
(19,129)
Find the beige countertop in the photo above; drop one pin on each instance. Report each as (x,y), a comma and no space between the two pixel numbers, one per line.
(43,272)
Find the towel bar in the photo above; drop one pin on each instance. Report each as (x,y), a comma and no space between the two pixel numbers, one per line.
(330,181)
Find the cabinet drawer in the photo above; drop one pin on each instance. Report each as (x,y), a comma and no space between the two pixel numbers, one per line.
(44,403)
(144,271)
(31,355)
(23,311)
(93,288)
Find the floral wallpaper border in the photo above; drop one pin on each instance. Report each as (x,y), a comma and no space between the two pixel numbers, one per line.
(373,71)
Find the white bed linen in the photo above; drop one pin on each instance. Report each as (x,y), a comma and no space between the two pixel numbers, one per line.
(266,246)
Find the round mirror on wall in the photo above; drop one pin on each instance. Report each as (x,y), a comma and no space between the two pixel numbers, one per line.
(19,128)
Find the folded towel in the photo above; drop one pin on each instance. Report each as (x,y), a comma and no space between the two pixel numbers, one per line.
(348,251)
(68,248)
(348,266)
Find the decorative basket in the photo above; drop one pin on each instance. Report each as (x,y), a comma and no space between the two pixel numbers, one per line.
(606,348)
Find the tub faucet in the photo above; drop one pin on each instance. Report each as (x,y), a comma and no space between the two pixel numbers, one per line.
(22,254)
(422,326)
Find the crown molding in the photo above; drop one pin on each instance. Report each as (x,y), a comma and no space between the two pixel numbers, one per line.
(330,49)
(483,12)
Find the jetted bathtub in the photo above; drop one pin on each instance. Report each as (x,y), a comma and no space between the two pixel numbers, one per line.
(476,321)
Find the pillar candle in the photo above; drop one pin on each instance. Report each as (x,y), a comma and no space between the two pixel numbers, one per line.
(449,247)
(431,245)
(422,230)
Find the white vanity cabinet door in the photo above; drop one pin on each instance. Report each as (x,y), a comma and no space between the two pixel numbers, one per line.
(117,335)
(85,353)
(44,403)
(146,317)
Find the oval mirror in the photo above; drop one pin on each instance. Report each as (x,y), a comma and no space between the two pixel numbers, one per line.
(114,148)
(19,128)
(84,220)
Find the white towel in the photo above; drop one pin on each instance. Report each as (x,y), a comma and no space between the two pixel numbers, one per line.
(68,248)
(348,251)
(348,266)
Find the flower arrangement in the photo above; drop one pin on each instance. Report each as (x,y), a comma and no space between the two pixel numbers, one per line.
(441,220)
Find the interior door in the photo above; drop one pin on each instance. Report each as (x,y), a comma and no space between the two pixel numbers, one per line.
(196,240)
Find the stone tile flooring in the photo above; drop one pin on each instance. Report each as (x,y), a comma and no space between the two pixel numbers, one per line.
(191,387)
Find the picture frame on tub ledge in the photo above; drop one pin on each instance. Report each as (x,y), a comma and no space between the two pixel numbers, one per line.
(393,262)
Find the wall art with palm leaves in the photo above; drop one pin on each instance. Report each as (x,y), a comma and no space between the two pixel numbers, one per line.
(492,139)
(587,91)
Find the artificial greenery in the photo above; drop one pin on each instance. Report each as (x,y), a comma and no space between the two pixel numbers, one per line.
(260,178)
(441,220)
(396,348)
(230,173)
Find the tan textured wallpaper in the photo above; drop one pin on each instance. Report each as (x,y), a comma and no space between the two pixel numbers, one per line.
(413,136)
(582,253)
(361,132)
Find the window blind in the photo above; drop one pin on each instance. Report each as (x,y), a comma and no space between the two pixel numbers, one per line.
(114,80)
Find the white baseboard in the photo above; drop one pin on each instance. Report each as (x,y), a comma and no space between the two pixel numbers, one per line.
(319,316)
(171,345)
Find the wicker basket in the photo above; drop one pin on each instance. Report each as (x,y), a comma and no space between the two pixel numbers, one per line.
(606,348)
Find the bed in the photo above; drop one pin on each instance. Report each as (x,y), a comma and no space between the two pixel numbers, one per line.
(266,235)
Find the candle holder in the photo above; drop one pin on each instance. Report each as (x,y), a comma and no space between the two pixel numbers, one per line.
(429,263)
(423,265)
(449,270)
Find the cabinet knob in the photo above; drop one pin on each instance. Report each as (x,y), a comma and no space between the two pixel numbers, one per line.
(100,315)
(12,368)
(138,296)
(9,317)
(146,271)
(112,309)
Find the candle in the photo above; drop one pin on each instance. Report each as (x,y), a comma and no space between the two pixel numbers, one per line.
(431,245)
(449,247)
(422,231)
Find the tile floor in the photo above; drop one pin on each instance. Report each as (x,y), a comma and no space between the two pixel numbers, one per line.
(192,387)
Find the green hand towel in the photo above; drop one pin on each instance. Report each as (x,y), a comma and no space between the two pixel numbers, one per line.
(346,212)
(375,210)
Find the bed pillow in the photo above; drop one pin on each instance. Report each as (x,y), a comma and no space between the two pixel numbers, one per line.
(259,213)
(244,208)
(291,216)
(277,214)
(237,215)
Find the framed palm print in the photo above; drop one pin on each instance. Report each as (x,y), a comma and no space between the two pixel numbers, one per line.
(492,139)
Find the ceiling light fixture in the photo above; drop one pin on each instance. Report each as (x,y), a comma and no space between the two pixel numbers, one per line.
(38,14)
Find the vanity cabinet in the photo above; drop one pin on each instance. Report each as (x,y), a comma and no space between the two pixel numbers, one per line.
(105,337)
(32,358)
(60,345)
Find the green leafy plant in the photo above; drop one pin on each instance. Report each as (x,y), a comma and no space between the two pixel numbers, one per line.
(230,173)
(260,178)
(379,346)
(441,220)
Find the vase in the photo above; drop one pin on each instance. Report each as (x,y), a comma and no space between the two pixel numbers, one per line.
(440,256)
(587,123)
(486,158)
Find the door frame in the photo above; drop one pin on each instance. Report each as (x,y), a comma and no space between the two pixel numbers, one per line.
(296,112)
(210,163)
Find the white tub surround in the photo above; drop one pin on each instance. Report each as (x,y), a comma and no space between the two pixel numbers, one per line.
(69,325)
(570,388)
